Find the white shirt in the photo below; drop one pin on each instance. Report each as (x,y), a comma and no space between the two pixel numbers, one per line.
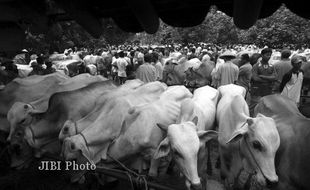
(292,88)
(121,64)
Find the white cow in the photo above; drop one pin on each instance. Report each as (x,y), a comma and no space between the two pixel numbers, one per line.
(245,142)
(188,137)
(132,129)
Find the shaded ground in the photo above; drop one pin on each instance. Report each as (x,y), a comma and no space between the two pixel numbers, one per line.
(34,179)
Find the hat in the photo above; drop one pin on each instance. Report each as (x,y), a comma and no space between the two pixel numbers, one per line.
(227,54)
(33,56)
(25,51)
(296,59)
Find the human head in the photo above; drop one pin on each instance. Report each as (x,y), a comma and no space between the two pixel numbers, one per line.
(254,58)
(121,54)
(285,54)
(266,54)
(296,63)
(148,58)
(155,57)
(244,58)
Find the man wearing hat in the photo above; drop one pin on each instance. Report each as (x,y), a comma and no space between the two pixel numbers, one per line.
(292,81)
(228,72)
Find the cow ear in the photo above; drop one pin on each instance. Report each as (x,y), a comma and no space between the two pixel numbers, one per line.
(163,149)
(162,127)
(195,120)
(238,134)
(205,136)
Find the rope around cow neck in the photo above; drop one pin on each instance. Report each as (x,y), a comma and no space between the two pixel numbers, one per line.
(139,180)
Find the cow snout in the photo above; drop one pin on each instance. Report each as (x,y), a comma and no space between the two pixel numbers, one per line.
(271,183)
(196,186)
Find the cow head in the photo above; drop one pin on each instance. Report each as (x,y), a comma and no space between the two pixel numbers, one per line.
(20,114)
(183,141)
(259,141)
(68,130)
(20,152)
(75,148)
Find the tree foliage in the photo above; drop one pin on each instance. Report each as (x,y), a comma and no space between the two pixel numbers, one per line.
(281,28)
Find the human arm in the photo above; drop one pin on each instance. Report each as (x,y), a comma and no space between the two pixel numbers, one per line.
(255,75)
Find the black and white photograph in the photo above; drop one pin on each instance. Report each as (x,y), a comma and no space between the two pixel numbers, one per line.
(154,95)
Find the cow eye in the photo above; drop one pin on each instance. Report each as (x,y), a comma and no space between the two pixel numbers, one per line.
(257,146)
(23,120)
(177,154)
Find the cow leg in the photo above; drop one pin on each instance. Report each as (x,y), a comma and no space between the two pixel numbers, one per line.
(153,171)
(247,184)
(209,165)
(235,170)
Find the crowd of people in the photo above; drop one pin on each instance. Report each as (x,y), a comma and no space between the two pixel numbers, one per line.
(245,65)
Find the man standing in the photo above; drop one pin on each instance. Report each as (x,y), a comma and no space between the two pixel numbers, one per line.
(282,67)
(146,72)
(245,72)
(292,81)
(228,72)
(263,78)
(121,64)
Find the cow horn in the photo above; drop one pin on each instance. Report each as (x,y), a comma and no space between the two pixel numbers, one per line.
(162,127)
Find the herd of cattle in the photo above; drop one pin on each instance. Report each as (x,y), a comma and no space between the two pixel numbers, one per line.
(90,119)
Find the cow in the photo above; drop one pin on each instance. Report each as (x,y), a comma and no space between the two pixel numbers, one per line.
(198,77)
(186,139)
(245,142)
(69,67)
(43,131)
(174,71)
(20,111)
(26,90)
(121,126)
(293,154)
(150,93)
(75,104)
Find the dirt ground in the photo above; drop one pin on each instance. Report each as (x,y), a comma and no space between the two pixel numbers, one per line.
(34,179)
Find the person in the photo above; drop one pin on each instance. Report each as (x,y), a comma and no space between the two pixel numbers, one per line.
(23,58)
(263,76)
(37,69)
(227,73)
(158,66)
(121,64)
(8,71)
(282,67)
(292,81)
(146,72)
(49,68)
(245,72)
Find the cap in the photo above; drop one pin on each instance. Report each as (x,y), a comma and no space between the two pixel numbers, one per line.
(227,54)
(296,59)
